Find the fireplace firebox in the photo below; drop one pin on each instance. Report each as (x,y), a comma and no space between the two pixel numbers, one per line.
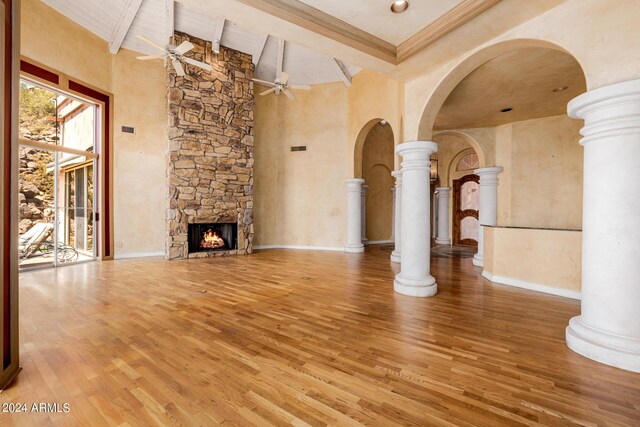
(219,236)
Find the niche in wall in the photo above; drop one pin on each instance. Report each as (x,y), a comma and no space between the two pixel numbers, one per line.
(377,165)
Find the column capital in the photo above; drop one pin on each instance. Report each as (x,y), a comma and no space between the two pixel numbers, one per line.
(493,170)
(443,190)
(364,187)
(398,176)
(354,184)
(488,176)
(416,149)
(416,155)
(610,111)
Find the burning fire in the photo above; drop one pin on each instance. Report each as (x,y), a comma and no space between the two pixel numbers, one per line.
(211,240)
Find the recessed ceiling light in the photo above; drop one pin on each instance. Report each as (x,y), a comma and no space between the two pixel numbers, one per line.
(506,110)
(560,89)
(399,6)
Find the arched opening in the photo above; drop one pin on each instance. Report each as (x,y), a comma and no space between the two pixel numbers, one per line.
(446,86)
(459,155)
(505,106)
(374,159)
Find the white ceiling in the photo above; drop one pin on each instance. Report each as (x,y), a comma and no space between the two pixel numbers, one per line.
(305,66)
(375,16)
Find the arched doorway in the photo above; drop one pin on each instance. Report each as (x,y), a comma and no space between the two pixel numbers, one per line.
(374,159)
(459,154)
(507,104)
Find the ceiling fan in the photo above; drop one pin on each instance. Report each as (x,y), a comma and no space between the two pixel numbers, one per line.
(175,54)
(281,83)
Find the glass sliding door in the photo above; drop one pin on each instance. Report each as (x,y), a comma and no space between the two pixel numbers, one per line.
(57,175)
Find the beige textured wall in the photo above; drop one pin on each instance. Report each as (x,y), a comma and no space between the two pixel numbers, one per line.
(300,198)
(140,192)
(139,92)
(546,173)
(377,165)
(543,257)
(373,96)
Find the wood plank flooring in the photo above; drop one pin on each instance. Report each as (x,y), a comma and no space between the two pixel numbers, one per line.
(305,338)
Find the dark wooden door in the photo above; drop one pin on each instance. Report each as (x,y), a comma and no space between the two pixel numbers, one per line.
(9,22)
(465,210)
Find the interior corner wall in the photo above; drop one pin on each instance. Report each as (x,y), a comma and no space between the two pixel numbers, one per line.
(541,185)
(300,198)
(138,89)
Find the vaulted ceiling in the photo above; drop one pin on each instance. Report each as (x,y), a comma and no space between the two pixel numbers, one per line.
(523,81)
(356,33)
(103,17)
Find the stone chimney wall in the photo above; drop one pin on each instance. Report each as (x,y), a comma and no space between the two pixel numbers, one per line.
(210,156)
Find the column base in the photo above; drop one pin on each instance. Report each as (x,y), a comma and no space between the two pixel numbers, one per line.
(614,350)
(426,287)
(365,241)
(395,256)
(443,242)
(354,248)
(477,261)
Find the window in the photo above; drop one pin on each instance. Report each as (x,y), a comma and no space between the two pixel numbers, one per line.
(468,162)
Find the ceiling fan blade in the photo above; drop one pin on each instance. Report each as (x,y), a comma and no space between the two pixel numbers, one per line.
(300,87)
(284,77)
(150,42)
(289,94)
(273,89)
(148,57)
(195,63)
(178,67)
(264,82)
(184,47)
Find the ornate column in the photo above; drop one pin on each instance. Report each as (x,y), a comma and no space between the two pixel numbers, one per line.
(397,218)
(393,214)
(354,216)
(414,278)
(363,216)
(443,216)
(488,212)
(608,328)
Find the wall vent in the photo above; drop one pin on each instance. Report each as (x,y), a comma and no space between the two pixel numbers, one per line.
(299,148)
(128,129)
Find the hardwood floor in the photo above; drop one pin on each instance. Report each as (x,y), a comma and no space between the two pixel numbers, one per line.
(294,337)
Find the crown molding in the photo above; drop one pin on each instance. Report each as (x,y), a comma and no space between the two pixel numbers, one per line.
(319,22)
(464,12)
(312,19)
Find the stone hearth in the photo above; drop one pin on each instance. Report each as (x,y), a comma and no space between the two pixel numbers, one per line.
(210,158)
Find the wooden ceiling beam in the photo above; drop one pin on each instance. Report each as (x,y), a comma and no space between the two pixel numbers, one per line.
(341,71)
(257,53)
(280,60)
(169,21)
(218,28)
(124,23)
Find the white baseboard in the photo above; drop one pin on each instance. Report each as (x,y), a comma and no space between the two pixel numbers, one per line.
(509,281)
(379,242)
(138,255)
(301,248)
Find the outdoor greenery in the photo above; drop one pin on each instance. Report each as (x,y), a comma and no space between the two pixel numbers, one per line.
(37,109)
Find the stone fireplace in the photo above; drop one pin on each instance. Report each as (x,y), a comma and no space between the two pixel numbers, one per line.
(210,157)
